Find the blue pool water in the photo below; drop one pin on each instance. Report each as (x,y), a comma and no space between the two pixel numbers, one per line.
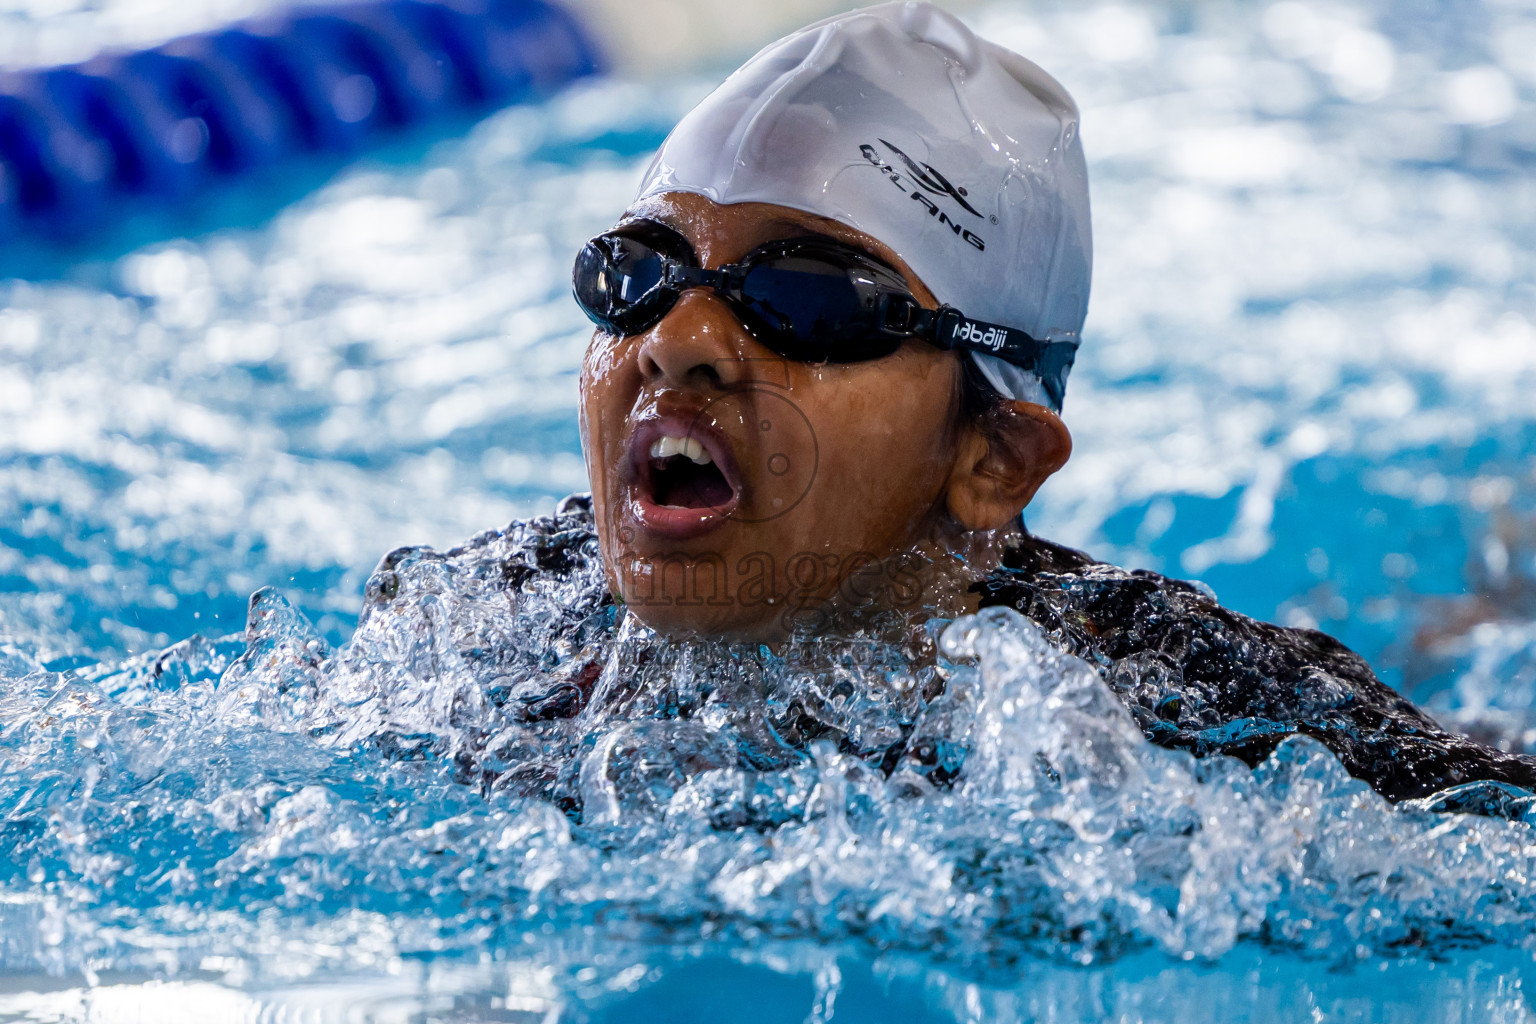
(1308,381)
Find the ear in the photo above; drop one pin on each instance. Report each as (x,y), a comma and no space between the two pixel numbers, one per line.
(1001,462)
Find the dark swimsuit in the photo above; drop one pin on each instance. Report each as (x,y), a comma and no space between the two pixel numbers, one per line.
(1200,678)
(1195,676)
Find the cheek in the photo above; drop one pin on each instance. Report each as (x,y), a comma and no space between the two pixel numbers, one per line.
(602,398)
(601,413)
(603,410)
(886,437)
(604,353)
(598,364)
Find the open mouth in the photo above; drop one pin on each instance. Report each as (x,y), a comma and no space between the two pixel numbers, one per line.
(683,479)
(681,473)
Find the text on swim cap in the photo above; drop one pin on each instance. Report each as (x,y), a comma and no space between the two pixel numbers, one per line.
(931,181)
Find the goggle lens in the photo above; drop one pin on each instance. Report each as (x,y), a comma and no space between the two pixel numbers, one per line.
(809,309)
(801,302)
(617,281)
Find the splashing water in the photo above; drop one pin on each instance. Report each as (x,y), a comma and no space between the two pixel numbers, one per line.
(499,749)
(1313,315)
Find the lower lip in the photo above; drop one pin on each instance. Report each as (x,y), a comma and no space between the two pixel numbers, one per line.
(676,523)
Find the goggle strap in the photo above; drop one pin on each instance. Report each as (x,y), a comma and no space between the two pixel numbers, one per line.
(1048,360)
(953,329)
(682,276)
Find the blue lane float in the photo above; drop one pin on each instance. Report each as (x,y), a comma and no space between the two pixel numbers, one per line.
(166,123)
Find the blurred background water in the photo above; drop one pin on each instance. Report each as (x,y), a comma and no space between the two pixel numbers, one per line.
(1308,378)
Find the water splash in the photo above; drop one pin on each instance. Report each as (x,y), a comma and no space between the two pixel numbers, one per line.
(1286,253)
(499,748)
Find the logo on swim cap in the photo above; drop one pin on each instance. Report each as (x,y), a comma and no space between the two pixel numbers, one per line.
(930,180)
(928,177)
(993,338)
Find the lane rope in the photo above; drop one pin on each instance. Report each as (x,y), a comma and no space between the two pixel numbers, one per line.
(81,143)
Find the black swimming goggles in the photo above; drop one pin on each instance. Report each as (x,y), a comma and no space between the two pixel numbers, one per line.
(809,299)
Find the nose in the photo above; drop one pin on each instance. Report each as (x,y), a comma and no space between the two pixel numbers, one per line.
(699,343)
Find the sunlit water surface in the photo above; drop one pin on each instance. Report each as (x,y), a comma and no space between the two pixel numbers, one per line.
(1315,323)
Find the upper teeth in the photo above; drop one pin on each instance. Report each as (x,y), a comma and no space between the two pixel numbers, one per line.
(664,447)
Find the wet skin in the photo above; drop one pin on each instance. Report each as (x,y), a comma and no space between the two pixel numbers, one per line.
(827,490)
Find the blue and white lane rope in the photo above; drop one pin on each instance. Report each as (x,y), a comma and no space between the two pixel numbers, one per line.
(80,143)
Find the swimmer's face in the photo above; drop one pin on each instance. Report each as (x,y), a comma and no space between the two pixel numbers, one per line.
(738,492)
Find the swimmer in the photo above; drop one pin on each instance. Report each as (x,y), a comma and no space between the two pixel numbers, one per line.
(833,335)
(834,330)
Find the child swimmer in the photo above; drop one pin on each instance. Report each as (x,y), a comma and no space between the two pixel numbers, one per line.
(834,331)
(852,284)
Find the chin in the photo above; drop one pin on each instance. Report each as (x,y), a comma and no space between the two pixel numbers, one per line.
(693,622)
(688,594)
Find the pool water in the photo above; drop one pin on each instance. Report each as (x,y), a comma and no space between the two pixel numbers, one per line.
(1313,318)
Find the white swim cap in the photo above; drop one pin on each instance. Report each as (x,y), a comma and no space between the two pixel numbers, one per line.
(897,120)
